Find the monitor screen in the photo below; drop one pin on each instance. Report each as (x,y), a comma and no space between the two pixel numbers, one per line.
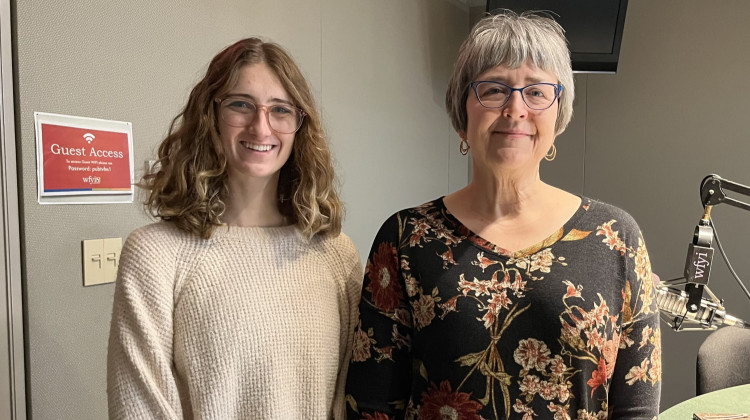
(593,28)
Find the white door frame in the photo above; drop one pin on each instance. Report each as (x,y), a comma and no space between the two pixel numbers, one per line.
(12,366)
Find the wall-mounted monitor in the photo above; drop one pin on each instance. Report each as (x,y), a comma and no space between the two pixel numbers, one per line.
(593,28)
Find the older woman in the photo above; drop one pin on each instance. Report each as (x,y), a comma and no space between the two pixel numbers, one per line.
(509,298)
(240,303)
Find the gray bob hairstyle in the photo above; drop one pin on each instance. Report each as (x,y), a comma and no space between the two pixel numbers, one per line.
(510,39)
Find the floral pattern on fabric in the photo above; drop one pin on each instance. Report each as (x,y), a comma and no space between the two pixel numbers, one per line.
(455,327)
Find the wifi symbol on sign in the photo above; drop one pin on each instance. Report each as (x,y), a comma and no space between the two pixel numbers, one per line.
(89,137)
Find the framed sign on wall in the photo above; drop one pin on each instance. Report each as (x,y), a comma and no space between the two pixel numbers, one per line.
(83,160)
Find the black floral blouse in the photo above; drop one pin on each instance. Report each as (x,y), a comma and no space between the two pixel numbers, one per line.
(454,327)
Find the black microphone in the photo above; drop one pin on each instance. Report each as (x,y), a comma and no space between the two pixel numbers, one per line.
(698,263)
(708,314)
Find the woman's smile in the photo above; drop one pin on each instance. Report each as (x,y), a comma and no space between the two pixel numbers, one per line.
(257,147)
(512,133)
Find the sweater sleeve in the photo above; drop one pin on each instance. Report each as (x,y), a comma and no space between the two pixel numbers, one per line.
(636,382)
(352,289)
(140,370)
(380,370)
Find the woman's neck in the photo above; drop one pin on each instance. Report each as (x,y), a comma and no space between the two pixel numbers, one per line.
(511,212)
(501,195)
(254,202)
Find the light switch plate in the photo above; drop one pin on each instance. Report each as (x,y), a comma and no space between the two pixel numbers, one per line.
(101,258)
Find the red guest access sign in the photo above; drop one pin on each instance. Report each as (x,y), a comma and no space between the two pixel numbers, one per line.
(83,157)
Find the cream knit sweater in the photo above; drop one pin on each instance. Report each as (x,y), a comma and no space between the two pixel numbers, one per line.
(254,323)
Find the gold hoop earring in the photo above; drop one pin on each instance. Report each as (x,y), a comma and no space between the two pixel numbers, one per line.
(463,147)
(550,156)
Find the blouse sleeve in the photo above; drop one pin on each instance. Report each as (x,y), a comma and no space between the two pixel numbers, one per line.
(636,382)
(379,377)
(140,378)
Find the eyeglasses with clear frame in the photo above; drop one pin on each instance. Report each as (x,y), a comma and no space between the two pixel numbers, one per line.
(537,96)
(238,111)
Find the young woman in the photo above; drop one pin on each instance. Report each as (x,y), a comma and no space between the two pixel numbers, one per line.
(240,302)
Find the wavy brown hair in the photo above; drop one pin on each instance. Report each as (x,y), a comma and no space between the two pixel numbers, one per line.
(190,186)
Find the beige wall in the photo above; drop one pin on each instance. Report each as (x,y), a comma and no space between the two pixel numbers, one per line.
(378,69)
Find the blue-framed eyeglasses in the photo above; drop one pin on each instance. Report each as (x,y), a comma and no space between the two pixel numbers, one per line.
(537,96)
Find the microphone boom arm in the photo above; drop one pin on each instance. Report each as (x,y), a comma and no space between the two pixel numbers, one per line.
(712,192)
(695,309)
